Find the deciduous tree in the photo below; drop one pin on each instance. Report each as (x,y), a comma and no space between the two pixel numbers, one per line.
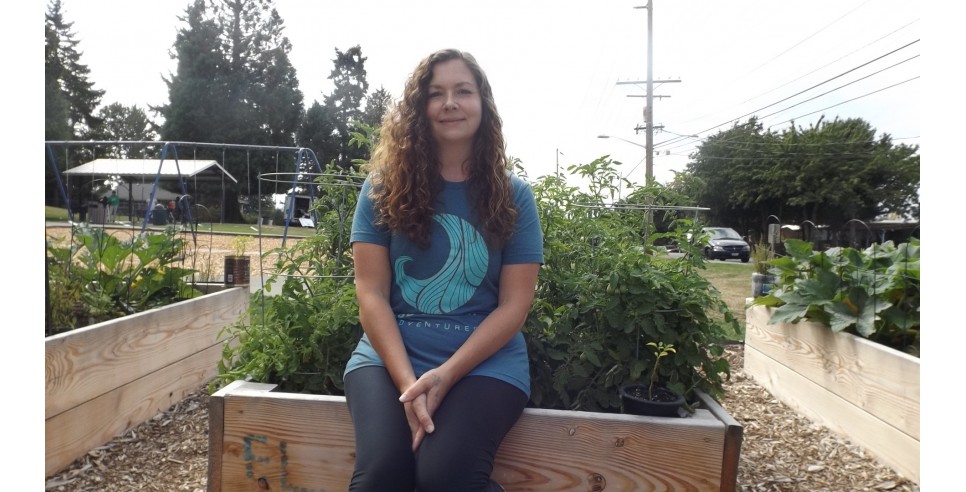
(828,173)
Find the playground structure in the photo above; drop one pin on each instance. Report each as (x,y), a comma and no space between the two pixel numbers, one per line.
(186,173)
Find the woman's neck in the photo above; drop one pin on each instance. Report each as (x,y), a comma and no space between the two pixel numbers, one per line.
(454,162)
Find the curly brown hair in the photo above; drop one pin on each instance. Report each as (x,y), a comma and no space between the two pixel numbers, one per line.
(405,168)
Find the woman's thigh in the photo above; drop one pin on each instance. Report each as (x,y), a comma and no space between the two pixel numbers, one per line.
(384,457)
(470,425)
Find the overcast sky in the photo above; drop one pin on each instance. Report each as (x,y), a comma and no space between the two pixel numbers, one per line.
(556,67)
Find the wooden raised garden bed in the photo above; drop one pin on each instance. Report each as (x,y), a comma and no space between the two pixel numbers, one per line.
(862,390)
(104,379)
(264,440)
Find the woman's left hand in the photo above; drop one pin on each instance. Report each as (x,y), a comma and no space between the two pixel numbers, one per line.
(433,384)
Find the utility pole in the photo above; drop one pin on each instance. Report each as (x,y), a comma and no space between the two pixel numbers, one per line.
(649,108)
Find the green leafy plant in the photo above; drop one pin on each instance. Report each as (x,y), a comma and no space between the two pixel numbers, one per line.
(239,244)
(873,293)
(301,337)
(661,350)
(101,277)
(605,288)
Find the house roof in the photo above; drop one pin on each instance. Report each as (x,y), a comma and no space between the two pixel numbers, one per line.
(142,168)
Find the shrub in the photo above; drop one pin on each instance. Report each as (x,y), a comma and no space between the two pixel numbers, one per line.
(604,292)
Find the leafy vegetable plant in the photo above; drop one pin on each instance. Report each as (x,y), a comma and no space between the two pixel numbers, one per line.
(872,293)
(97,277)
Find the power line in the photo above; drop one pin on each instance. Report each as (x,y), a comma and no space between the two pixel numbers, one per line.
(831,62)
(840,87)
(810,88)
(844,102)
(786,51)
(807,38)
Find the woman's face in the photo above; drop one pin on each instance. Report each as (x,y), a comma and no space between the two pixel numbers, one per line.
(453,105)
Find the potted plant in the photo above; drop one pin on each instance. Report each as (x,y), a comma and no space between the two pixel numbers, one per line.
(238,264)
(761,280)
(652,398)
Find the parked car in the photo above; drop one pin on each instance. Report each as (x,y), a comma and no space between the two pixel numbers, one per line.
(725,244)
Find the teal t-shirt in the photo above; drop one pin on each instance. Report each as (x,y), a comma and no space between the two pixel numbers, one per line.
(441,294)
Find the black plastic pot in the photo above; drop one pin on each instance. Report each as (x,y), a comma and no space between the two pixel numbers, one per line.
(635,401)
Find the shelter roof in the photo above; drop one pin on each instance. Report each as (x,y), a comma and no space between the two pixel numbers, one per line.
(141,168)
(139,192)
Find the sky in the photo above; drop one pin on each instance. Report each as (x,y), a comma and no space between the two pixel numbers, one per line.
(560,71)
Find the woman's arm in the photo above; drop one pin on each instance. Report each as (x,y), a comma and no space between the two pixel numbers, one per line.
(517,285)
(372,279)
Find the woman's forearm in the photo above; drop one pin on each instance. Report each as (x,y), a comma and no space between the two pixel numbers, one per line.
(379,323)
(517,284)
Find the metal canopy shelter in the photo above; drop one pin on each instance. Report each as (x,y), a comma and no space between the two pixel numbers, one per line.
(142,168)
(133,170)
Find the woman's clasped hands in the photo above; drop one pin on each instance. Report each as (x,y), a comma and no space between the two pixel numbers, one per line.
(421,400)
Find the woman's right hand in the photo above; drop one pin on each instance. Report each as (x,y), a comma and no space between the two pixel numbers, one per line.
(414,408)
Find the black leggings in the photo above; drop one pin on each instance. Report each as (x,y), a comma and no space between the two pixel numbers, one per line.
(458,456)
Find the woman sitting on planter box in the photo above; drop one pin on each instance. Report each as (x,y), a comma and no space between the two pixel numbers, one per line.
(447,245)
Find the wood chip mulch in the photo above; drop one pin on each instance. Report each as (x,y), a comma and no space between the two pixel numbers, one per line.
(782,451)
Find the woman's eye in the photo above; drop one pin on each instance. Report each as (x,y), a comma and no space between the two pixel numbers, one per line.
(435,94)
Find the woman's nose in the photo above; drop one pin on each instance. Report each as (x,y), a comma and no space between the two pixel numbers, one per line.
(450,102)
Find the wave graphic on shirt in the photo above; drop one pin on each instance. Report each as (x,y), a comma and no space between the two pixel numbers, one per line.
(456,282)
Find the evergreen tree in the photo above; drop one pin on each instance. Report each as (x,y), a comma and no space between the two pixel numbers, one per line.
(56,121)
(234,84)
(377,104)
(64,73)
(318,132)
(345,103)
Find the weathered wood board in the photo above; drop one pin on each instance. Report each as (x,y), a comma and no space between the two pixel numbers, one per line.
(106,378)
(289,441)
(862,390)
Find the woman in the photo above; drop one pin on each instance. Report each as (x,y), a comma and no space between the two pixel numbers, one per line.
(447,245)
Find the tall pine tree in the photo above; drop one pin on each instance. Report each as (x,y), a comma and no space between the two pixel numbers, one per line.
(345,103)
(234,84)
(70,101)
(66,75)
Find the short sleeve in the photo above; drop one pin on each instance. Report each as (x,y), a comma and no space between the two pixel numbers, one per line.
(364,228)
(526,243)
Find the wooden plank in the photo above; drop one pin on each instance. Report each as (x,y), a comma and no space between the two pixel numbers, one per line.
(881,380)
(70,435)
(216,435)
(734,435)
(889,445)
(86,363)
(306,442)
(553,450)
